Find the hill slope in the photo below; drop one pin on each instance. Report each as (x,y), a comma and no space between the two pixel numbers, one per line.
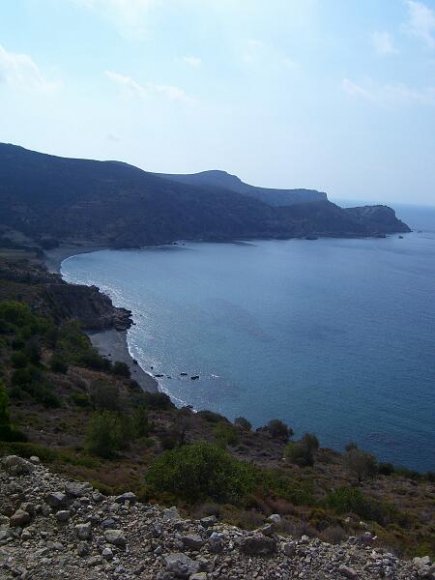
(274,197)
(116,204)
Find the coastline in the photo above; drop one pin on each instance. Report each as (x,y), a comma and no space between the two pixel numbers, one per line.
(110,343)
(53,258)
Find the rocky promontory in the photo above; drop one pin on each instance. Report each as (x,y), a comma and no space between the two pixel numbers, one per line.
(51,527)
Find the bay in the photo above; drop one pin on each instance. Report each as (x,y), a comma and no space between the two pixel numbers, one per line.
(333,336)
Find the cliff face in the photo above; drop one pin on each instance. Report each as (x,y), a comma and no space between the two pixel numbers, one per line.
(49,295)
(380,216)
(118,205)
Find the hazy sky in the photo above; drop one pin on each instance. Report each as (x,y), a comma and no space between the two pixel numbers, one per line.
(337,95)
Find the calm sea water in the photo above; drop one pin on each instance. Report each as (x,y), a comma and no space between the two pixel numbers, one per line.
(332,336)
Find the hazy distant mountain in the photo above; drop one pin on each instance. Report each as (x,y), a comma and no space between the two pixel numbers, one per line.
(222,179)
(116,204)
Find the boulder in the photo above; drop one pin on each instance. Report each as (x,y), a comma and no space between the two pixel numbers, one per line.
(17,465)
(129,496)
(56,500)
(258,545)
(19,519)
(115,537)
(192,541)
(84,531)
(181,565)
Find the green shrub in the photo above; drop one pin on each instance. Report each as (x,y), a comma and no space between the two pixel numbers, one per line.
(105,434)
(279,430)
(278,483)
(121,369)
(352,500)
(80,400)
(16,313)
(27,450)
(32,381)
(94,361)
(199,471)
(302,452)
(359,463)
(212,417)
(226,434)
(19,360)
(140,422)
(105,396)
(58,364)
(158,401)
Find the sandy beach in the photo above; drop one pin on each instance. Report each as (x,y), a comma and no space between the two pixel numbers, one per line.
(110,343)
(54,258)
(113,345)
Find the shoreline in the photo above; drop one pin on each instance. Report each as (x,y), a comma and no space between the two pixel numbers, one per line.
(53,258)
(113,345)
(110,343)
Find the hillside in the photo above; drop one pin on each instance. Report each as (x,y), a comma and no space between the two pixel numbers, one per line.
(86,417)
(52,199)
(72,531)
(274,197)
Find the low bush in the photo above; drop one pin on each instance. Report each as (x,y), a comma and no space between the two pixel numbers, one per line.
(121,369)
(302,452)
(105,396)
(58,364)
(80,400)
(279,430)
(158,401)
(201,471)
(212,417)
(140,422)
(360,464)
(352,500)
(105,435)
(226,434)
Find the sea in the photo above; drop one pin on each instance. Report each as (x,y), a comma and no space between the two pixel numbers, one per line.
(333,336)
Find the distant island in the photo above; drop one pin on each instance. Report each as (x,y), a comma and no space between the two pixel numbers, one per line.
(54,200)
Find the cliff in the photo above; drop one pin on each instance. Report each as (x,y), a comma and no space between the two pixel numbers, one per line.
(49,295)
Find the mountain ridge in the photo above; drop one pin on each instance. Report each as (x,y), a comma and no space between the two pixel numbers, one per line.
(271,196)
(119,205)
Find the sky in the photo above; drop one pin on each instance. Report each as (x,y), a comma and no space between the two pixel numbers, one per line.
(336,95)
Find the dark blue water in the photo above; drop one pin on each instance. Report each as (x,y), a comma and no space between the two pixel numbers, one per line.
(336,337)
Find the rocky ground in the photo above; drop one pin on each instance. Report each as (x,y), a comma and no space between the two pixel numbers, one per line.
(51,527)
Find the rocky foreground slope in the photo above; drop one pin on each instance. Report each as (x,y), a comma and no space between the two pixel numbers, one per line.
(54,528)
